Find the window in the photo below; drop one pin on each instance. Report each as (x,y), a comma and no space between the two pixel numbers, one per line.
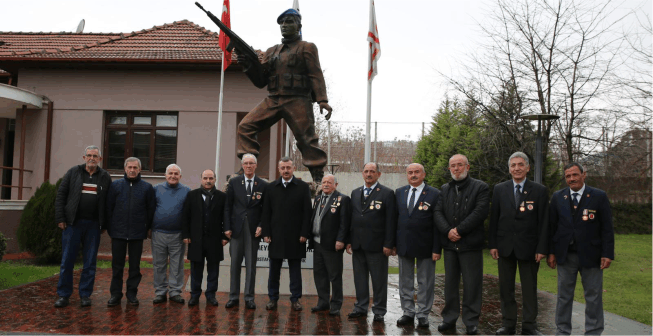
(149,136)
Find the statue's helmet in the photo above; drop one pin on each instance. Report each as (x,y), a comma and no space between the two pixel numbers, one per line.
(292,12)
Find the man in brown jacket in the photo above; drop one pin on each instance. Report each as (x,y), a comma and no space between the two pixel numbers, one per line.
(291,71)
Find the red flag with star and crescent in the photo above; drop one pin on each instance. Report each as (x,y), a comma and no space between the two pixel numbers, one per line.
(223,39)
(375,46)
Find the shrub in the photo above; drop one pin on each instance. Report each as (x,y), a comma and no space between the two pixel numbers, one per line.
(631,218)
(3,245)
(37,231)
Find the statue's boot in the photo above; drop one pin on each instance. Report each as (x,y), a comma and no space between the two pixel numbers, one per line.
(317,174)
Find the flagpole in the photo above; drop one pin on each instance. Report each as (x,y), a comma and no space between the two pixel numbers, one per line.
(217,147)
(369,109)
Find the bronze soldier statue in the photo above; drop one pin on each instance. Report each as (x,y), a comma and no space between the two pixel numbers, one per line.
(291,71)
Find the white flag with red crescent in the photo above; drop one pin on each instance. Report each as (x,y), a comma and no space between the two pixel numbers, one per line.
(375,46)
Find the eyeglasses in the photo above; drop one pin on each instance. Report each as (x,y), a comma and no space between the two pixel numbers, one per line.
(92,156)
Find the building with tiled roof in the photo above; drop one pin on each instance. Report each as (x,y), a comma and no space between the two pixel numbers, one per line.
(152,94)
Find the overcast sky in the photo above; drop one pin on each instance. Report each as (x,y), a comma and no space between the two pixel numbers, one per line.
(418,38)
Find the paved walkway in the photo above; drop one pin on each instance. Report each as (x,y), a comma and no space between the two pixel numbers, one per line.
(29,309)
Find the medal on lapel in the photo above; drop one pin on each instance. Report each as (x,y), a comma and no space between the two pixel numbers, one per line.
(421,206)
(521,207)
(333,210)
(585,216)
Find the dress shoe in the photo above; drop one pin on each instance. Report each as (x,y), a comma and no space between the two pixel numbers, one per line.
(177,298)
(530,332)
(422,322)
(378,318)
(319,308)
(113,301)
(405,320)
(334,312)
(61,302)
(133,301)
(231,303)
(212,301)
(472,330)
(271,305)
(159,299)
(356,314)
(506,331)
(194,301)
(85,301)
(296,306)
(250,304)
(446,326)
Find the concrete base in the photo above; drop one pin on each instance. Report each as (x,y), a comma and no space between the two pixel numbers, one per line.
(262,273)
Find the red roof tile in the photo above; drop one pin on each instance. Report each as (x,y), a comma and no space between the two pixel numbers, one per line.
(175,42)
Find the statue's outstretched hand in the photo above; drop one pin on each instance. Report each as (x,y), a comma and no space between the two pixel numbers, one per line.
(324,106)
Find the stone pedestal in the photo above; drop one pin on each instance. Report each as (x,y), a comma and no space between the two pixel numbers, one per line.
(308,284)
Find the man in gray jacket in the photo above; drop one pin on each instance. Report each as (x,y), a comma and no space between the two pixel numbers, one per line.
(80,213)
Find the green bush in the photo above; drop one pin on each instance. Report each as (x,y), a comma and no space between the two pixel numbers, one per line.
(37,232)
(3,245)
(631,218)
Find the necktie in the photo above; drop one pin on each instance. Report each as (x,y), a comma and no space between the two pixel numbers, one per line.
(285,184)
(411,203)
(367,192)
(574,198)
(323,203)
(249,190)
(517,195)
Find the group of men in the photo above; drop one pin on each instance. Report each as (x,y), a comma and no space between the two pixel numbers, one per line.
(417,223)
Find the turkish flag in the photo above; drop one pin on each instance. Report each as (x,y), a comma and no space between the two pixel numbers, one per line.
(223,39)
(375,46)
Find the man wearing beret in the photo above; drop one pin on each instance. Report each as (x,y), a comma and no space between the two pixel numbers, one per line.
(291,71)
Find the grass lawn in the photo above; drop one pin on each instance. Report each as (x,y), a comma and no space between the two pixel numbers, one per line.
(18,272)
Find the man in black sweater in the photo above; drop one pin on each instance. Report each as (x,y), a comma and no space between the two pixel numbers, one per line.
(459,214)
(80,213)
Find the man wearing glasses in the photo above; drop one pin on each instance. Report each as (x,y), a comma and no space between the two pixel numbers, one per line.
(80,213)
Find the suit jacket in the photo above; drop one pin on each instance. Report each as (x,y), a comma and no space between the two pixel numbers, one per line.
(522,229)
(417,235)
(334,220)
(193,221)
(238,206)
(590,226)
(373,221)
(286,217)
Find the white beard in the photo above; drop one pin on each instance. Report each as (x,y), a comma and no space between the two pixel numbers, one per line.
(463,175)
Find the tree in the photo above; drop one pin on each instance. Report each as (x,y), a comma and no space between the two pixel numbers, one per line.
(456,128)
(555,57)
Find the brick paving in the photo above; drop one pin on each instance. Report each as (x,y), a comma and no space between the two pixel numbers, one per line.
(30,309)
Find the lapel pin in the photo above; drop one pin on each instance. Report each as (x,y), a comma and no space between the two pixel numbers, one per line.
(565,196)
(525,192)
(379,189)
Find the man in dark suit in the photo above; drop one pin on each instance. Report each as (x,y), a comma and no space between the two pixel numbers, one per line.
(204,234)
(330,223)
(519,236)
(581,240)
(459,214)
(373,230)
(417,239)
(286,226)
(242,225)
